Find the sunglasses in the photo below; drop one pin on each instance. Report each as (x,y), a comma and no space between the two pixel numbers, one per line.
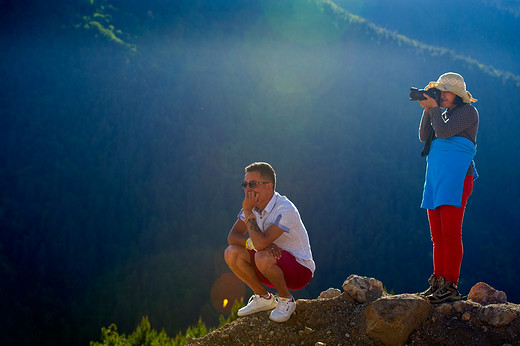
(252,184)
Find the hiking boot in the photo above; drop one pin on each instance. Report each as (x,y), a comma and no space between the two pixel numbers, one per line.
(433,281)
(284,309)
(447,292)
(257,303)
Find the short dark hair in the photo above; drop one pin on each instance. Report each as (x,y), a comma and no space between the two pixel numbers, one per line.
(266,171)
(458,101)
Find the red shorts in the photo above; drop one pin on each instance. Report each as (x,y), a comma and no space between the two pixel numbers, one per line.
(296,275)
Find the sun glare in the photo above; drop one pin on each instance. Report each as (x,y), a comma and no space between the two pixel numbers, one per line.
(226,289)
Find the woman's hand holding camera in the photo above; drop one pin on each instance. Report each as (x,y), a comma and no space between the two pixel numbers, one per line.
(428,103)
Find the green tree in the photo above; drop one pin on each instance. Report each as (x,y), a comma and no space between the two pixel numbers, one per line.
(144,335)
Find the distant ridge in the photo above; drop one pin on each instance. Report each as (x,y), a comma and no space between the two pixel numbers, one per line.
(379,33)
(345,19)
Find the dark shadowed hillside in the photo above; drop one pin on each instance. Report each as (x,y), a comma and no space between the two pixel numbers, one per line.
(126,126)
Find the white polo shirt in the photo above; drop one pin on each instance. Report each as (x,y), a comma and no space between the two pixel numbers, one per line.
(282,212)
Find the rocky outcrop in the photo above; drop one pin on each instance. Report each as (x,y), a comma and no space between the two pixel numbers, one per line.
(364,314)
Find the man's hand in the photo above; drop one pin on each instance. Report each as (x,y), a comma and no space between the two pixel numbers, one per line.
(250,201)
(274,250)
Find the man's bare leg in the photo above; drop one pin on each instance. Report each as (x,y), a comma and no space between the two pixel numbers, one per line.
(266,263)
(238,260)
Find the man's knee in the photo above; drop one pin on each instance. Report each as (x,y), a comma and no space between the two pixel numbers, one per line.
(233,253)
(264,260)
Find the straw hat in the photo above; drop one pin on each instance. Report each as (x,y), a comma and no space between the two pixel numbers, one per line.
(453,82)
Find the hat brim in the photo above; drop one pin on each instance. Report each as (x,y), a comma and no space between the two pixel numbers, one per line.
(465,95)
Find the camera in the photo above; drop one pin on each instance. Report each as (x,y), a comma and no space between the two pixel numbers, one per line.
(417,94)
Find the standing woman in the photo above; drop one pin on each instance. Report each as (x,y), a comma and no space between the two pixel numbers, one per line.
(450,138)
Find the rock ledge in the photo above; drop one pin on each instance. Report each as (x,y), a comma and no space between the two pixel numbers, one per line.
(364,314)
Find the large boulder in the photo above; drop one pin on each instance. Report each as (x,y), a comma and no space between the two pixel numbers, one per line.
(391,319)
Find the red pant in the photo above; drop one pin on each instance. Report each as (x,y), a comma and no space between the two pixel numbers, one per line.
(446,232)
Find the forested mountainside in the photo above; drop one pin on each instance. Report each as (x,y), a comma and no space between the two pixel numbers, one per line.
(126,126)
(483,30)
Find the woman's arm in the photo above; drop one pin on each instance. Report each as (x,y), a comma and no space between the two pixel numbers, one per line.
(425,126)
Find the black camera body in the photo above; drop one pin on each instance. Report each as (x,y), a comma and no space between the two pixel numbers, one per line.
(417,94)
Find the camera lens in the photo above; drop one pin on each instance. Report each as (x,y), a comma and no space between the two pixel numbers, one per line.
(417,94)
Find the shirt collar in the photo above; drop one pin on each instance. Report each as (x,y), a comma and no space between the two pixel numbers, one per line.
(269,207)
(271,203)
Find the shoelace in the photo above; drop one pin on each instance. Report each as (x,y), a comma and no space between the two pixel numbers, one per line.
(257,296)
(285,302)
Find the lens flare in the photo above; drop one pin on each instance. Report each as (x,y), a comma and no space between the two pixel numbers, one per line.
(226,289)
(306,22)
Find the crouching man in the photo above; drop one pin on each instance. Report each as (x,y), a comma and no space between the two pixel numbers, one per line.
(275,252)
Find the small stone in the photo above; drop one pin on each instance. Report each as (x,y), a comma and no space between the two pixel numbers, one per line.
(484,294)
(466,316)
(357,287)
(308,330)
(330,293)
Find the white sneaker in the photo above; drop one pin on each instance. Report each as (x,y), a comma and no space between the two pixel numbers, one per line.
(257,303)
(284,309)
